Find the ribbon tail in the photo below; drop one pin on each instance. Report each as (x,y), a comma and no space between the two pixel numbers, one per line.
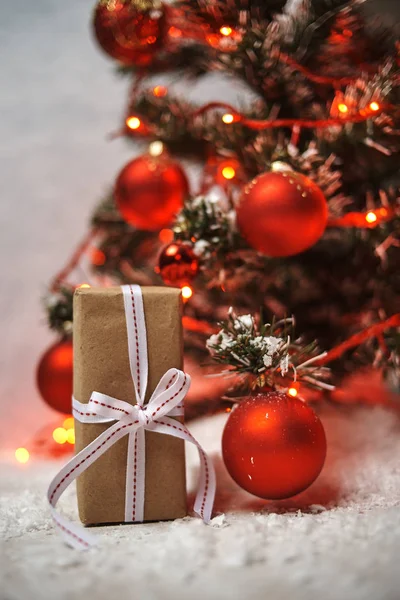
(74,534)
(204,501)
(135,477)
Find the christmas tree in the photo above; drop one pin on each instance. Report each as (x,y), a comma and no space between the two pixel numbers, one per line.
(292,214)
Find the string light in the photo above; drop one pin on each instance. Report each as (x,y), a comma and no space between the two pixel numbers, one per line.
(60,435)
(156,148)
(83,286)
(228,118)
(374,106)
(371,217)
(71,435)
(166,236)
(292,391)
(68,423)
(22,455)
(187,292)
(133,123)
(98,257)
(346,116)
(228,172)
(226,30)
(174,32)
(160,91)
(173,250)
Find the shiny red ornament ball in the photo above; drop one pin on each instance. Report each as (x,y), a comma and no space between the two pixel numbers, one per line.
(150,191)
(54,376)
(178,265)
(273,446)
(131,31)
(281,214)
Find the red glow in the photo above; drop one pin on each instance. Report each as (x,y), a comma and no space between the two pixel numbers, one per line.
(160,91)
(166,236)
(98,257)
(174,32)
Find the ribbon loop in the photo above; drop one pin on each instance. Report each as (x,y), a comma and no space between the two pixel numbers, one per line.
(127,419)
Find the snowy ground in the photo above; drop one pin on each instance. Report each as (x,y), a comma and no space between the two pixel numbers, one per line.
(338,540)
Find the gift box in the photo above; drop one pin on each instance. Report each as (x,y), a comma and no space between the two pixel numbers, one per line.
(102,363)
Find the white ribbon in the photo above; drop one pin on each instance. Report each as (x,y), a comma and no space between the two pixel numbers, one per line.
(165,402)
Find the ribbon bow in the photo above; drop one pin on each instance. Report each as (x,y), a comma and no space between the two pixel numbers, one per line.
(165,402)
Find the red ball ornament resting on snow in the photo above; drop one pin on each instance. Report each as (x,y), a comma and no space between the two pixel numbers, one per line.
(54,376)
(273,446)
(150,191)
(131,31)
(178,265)
(281,214)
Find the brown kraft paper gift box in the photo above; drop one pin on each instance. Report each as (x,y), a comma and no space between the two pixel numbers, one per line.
(101,364)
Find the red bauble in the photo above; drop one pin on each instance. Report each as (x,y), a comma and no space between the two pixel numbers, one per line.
(281,214)
(129,30)
(150,191)
(54,376)
(178,264)
(273,446)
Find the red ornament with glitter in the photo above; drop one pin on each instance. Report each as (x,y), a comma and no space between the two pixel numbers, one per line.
(54,376)
(150,191)
(131,31)
(178,265)
(282,213)
(273,446)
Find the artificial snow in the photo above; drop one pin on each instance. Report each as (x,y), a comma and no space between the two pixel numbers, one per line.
(338,540)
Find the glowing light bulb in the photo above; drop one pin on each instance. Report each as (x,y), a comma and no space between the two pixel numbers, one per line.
(187,292)
(98,257)
(71,435)
(160,91)
(174,32)
(60,435)
(228,118)
(22,455)
(68,423)
(343,108)
(156,148)
(371,217)
(83,285)
(226,30)
(166,236)
(133,122)
(292,391)
(228,172)
(374,106)
(172,250)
